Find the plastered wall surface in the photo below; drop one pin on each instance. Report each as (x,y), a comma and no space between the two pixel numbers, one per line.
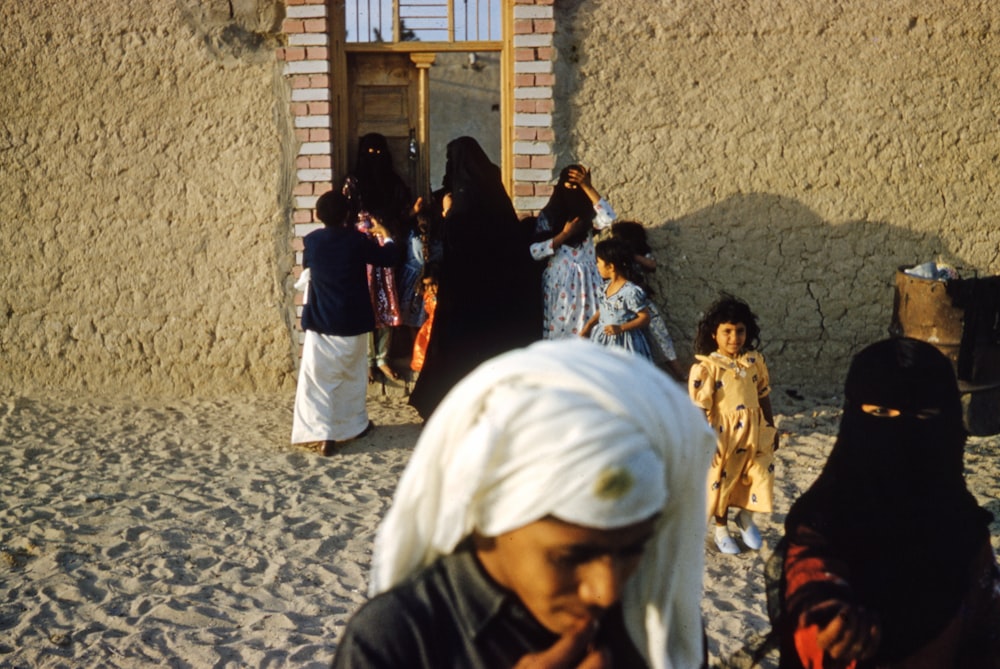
(793,153)
(144,198)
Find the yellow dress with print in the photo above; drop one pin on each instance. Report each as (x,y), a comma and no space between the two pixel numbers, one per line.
(729,391)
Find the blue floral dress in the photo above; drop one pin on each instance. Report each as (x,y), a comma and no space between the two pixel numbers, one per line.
(618,309)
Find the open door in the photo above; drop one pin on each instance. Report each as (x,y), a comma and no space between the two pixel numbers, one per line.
(384,94)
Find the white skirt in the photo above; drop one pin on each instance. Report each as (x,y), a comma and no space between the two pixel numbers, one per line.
(330,399)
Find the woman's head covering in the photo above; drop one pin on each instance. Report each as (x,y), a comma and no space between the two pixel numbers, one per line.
(473,180)
(892,499)
(382,191)
(567,203)
(570,429)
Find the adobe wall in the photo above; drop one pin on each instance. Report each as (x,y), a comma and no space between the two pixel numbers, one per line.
(144,197)
(792,152)
(158,161)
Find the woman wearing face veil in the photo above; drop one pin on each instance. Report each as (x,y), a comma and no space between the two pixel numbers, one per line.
(886,560)
(488,298)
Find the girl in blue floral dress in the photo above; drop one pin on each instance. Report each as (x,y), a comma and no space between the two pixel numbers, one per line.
(624,308)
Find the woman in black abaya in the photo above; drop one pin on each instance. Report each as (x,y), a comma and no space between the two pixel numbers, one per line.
(489,300)
(887,559)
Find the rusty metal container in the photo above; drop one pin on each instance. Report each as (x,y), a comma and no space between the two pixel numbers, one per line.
(959,318)
(922,310)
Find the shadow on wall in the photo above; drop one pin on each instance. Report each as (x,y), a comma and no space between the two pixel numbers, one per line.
(821,290)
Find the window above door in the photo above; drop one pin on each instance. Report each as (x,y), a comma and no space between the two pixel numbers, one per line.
(440,21)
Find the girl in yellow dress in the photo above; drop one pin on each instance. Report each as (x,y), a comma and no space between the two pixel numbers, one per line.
(730,383)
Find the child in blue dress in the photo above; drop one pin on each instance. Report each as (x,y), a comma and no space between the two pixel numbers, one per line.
(624,309)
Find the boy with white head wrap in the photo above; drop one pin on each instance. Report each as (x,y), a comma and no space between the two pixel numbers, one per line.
(566,435)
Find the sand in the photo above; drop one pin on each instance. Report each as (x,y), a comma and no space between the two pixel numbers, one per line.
(189,533)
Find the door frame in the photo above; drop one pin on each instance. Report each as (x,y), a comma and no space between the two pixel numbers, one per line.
(421,54)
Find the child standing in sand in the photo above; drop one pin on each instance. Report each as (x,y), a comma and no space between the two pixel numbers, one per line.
(661,343)
(624,308)
(429,288)
(731,384)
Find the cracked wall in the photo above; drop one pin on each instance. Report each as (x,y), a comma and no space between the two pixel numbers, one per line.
(144,176)
(793,153)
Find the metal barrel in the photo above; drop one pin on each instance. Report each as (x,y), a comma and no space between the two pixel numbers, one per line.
(923,309)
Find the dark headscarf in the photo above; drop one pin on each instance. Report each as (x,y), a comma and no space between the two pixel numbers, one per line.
(382,192)
(567,203)
(892,500)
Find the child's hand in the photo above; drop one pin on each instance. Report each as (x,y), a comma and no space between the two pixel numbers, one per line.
(379,230)
(613,330)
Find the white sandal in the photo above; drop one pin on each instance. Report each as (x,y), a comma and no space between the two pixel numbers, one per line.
(724,542)
(748,531)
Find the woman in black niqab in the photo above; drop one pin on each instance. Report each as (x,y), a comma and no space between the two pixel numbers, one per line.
(488,298)
(888,542)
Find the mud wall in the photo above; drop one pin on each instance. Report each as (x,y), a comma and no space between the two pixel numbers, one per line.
(791,152)
(144,166)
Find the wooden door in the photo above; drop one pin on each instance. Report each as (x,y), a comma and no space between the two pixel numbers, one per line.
(383,93)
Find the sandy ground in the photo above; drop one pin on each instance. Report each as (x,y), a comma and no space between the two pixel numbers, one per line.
(191,534)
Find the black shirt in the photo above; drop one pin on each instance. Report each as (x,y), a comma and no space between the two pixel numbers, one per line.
(339,301)
(453,615)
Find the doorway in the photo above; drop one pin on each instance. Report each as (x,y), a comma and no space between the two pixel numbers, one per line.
(421,72)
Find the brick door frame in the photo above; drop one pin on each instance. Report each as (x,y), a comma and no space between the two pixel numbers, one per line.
(529,158)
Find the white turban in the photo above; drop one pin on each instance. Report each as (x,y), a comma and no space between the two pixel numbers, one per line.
(588,434)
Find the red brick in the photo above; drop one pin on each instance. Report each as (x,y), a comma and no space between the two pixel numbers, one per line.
(301,81)
(543,190)
(319,108)
(302,216)
(317,53)
(299,109)
(523,189)
(320,162)
(524,80)
(544,53)
(543,162)
(545,80)
(303,188)
(522,162)
(522,27)
(544,26)
(319,81)
(545,106)
(292,26)
(302,162)
(319,135)
(525,134)
(297,244)
(524,54)
(293,53)
(320,187)
(302,134)
(545,135)
(524,106)
(315,25)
